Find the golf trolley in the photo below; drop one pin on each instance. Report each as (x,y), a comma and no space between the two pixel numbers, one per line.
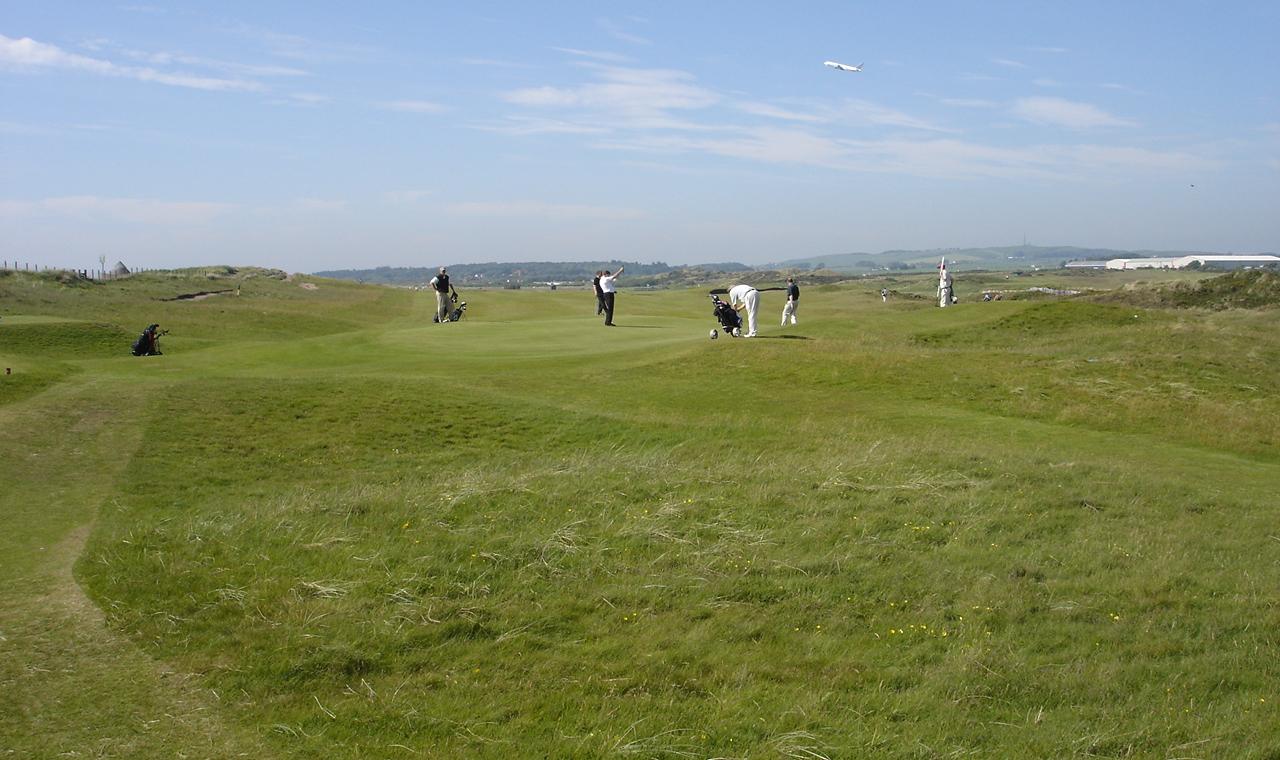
(727,316)
(460,308)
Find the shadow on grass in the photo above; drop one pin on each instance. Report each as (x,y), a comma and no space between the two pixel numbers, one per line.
(785,337)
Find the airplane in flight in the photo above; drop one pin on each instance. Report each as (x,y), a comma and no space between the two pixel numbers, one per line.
(842,66)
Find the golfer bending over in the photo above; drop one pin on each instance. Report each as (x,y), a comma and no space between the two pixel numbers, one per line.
(746,297)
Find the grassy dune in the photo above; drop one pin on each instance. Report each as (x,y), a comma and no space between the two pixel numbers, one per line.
(321,526)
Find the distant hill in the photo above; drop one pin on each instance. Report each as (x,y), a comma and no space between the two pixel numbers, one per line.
(531,272)
(661,274)
(1008,257)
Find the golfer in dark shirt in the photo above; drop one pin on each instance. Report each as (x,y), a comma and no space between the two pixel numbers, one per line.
(599,293)
(793,301)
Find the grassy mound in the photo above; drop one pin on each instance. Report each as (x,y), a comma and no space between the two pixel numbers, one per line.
(1053,321)
(1243,289)
(67,340)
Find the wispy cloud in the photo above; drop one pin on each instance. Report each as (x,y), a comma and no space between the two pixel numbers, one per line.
(1066,113)
(536,209)
(774,112)
(28,54)
(167,58)
(595,55)
(856,111)
(323,205)
(132,210)
(615,30)
(295,47)
(625,90)
(532,125)
(968,102)
(407,196)
(18,128)
(496,63)
(935,158)
(1009,62)
(413,106)
(1120,87)
(307,99)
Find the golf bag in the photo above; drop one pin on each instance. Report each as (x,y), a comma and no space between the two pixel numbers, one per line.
(148,343)
(454,315)
(725,314)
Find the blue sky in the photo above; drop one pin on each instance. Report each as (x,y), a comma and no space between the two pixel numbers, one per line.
(318,135)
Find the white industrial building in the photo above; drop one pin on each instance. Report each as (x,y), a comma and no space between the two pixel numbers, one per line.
(1182,262)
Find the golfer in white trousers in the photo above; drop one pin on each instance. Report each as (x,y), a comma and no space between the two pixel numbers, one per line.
(793,302)
(746,297)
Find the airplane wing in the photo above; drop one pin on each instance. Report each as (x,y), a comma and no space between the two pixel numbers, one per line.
(842,66)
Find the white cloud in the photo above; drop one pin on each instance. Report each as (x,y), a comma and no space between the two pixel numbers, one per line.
(530,125)
(319,204)
(1066,113)
(624,90)
(18,128)
(855,111)
(597,55)
(541,209)
(618,32)
(968,102)
(1009,62)
(494,62)
(406,196)
(164,58)
(413,106)
(26,53)
(298,48)
(308,99)
(765,144)
(133,210)
(774,112)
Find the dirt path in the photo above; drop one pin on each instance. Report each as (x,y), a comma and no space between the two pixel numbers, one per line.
(69,685)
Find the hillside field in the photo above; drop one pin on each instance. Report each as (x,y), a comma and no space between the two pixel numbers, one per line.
(322,526)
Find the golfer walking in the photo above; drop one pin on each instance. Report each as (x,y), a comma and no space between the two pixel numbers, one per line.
(608,292)
(746,297)
(440,284)
(793,301)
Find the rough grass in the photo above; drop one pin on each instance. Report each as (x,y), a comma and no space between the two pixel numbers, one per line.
(1004,530)
(1243,289)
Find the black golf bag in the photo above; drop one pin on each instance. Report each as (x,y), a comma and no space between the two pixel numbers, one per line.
(148,343)
(455,315)
(725,314)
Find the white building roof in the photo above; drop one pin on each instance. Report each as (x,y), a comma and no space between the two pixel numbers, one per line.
(1180,262)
